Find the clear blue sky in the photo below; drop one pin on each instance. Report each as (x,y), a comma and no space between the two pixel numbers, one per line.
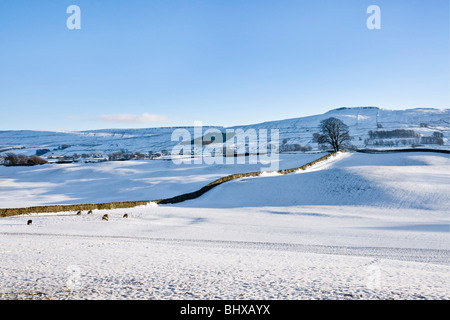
(222,62)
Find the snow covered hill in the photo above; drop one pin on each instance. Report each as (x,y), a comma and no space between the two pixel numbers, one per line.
(292,133)
(357,226)
(78,183)
(390,181)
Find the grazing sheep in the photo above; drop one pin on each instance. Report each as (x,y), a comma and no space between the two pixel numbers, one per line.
(125,215)
(105,217)
(90,212)
(79,213)
(29,222)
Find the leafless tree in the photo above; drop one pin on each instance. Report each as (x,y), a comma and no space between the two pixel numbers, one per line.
(333,132)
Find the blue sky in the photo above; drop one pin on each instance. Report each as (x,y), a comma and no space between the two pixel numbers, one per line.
(136,64)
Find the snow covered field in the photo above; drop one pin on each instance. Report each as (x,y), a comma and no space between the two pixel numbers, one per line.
(119,180)
(356,226)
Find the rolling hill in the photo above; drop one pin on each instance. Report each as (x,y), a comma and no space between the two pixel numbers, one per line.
(420,125)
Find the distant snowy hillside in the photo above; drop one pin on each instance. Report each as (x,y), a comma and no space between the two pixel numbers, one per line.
(431,128)
(361,120)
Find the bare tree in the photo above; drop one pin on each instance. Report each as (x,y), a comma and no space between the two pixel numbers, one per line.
(333,132)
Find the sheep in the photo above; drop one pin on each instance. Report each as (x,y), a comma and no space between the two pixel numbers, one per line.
(29,222)
(105,217)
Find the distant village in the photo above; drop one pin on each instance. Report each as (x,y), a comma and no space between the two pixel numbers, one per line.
(13,159)
(384,139)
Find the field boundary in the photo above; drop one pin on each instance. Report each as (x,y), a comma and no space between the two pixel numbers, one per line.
(198,193)
(130,204)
